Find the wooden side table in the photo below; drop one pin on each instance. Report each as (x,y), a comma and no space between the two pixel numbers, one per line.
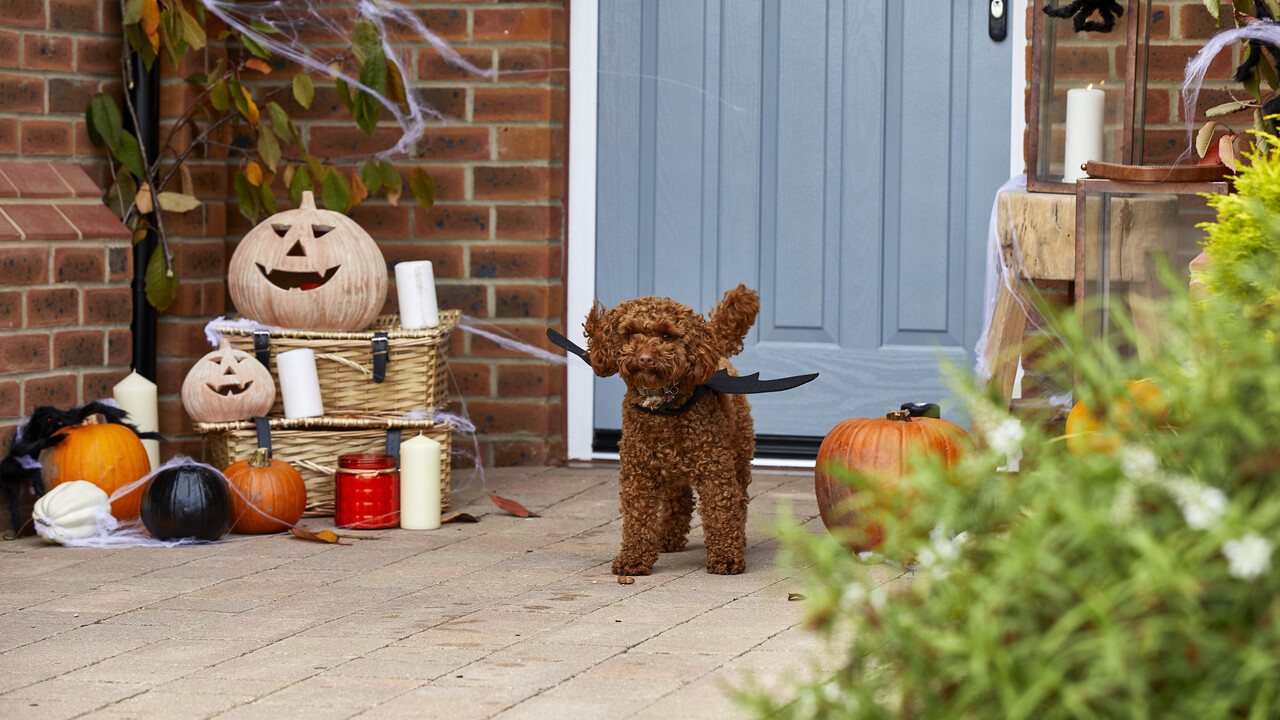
(1037,233)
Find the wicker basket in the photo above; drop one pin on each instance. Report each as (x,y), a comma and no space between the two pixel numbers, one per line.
(312,446)
(416,373)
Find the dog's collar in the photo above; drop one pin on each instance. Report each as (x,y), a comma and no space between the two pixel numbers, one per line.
(721,382)
(666,408)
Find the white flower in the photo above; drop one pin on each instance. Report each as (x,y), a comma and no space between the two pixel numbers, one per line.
(941,552)
(1203,507)
(1006,438)
(1250,556)
(1139,463)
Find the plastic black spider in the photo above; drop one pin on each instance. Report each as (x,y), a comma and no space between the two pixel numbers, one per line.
(1108,10)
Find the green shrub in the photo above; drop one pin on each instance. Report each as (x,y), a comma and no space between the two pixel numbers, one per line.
(1133,584)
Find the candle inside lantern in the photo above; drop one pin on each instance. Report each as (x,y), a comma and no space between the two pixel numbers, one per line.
(420,483)
(136,395)
(299,383)
(1084,130)
(416,290)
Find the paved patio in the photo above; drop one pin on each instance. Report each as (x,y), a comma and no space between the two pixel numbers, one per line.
(505,618)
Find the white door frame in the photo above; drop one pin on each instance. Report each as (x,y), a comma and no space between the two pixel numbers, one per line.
(580,273)
(580,277)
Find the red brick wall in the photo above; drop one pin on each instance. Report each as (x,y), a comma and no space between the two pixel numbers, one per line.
(495,235)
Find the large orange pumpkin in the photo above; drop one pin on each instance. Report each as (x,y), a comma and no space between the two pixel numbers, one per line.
(267,495)
(106,454)
(310,269)
(882,449)
(1087,433)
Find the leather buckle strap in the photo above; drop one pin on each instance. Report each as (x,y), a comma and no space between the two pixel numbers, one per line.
(263,426)
(262,347)
(379,344)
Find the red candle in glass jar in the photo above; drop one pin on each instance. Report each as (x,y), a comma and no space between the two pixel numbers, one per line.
(366,491)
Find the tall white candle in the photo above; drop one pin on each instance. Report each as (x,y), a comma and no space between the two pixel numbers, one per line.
(420,483)
(136,395)
(299,383)
(1084,130)
(416,290)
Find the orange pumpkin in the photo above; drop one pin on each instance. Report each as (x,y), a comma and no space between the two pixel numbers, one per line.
(882,449)
(308,268)
(106,454)
(227,384)
(1087,433)
(267,495)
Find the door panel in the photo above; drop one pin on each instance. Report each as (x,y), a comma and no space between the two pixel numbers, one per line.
(826,153)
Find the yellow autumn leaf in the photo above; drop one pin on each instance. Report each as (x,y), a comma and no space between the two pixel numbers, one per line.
(251,110)
(143,199)
(151,23)
(253,172)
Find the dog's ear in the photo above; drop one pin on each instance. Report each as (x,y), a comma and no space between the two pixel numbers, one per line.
(598,328)
(733,317)
(705,351)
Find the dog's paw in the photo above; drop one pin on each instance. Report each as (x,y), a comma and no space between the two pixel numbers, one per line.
(726,566)
(631,566)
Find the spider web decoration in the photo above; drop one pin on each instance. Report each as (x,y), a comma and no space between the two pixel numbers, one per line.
(281,26)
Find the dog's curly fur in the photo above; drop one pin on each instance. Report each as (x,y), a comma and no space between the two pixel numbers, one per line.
(655,342)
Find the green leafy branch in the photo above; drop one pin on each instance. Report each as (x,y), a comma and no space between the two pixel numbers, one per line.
(269,144)
(1256,67)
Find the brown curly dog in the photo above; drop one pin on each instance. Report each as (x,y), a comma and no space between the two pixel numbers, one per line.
(664,351)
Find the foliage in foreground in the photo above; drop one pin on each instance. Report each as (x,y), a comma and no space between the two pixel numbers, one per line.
(1136,582)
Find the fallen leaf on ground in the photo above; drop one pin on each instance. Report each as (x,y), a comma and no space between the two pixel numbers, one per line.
(625,580)
(460,517)
(794,596)
(511,507)
(324,536)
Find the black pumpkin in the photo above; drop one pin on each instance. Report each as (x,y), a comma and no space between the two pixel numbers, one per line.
(187,501)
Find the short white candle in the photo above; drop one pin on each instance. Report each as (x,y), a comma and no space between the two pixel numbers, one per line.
(136,395)
(420,483)
(1084,130)
(299,383)
(416,290)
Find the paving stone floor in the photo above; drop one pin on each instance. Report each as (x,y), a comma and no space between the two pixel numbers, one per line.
(505,618)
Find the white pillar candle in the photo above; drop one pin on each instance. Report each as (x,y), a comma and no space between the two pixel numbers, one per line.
(420,462)
(299,383)
(416,289)
(1084,130)
(136,395)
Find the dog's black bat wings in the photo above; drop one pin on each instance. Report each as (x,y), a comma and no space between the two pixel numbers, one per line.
(721,382)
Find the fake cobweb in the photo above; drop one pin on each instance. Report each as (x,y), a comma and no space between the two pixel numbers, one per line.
(290,28)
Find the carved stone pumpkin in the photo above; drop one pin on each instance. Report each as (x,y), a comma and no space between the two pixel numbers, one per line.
(308,269)
(227,384)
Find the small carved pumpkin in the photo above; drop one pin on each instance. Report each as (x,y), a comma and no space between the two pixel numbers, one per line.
(267,495)
(106,454)
(227,384)
(308,269)
(882,449)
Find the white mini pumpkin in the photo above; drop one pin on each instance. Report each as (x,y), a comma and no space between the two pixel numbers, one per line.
(68,511)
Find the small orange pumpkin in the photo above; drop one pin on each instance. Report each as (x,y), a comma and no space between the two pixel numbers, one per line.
(308,268)
(267,495)
(883,449)
(1144,405)
(106,454)
(226,385)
